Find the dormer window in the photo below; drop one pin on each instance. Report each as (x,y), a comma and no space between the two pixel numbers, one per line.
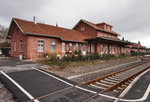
(82,28)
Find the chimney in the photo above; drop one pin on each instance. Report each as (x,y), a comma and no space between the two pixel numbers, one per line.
(34,20)
(56,24)
(139,42)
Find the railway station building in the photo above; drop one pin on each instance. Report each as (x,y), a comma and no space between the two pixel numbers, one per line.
(32,40)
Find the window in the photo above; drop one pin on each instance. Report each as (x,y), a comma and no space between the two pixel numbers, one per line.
(53,46)
(77,47)
(40,45)
(14,46)
(83,47)
(98,34)
(106,50)
(101,48)
(63,47)
(109,49)
(70,47)
(82,28)
(21,45)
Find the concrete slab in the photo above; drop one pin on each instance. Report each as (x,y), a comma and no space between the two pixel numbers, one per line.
(139,89)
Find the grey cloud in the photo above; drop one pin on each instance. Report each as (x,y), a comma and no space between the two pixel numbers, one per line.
(130,18)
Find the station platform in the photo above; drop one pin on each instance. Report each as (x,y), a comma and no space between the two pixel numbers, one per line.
(140,91)
(31,84)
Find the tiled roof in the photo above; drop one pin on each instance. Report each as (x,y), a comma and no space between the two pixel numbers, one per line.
(98,28)
(29,27)
(136,46)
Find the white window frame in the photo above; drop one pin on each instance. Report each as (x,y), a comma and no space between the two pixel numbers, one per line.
(82,28)
(40,45)
(77,47)
(70,47)
(53,46)
(63,47)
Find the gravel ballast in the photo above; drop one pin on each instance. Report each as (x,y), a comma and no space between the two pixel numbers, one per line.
(5,95)
(85,73)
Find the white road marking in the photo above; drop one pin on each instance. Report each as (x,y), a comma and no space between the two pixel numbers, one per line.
(80,75)
(21,88)
(103,95)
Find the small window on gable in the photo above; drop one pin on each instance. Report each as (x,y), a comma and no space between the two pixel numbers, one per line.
(82,28)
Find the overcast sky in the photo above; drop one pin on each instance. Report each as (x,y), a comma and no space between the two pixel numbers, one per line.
(130,18)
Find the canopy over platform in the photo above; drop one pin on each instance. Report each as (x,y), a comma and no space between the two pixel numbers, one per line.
(108,40)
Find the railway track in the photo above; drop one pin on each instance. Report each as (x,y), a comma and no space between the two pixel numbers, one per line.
(115,82)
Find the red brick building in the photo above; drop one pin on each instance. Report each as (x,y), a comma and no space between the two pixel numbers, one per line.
(32,40)
(137,47)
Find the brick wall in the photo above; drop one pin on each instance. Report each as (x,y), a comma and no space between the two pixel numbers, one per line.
(32,46)
(88,30)
(16,37)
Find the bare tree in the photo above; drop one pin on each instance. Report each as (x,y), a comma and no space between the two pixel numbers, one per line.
(3,32)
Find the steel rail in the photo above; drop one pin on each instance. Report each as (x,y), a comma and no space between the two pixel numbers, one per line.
(113,73)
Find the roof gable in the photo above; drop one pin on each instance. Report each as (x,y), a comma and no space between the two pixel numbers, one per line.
(96,27)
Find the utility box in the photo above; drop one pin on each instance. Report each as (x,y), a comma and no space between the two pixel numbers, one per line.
(20,57)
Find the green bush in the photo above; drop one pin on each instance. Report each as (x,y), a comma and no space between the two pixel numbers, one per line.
(5,51)
(53,57)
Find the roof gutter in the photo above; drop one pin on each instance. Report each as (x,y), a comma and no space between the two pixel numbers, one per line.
(51,36)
